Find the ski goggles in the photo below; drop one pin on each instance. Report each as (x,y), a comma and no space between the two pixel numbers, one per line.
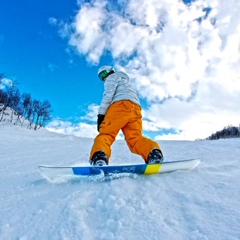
(103,74)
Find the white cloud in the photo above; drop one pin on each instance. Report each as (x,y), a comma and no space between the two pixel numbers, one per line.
(51,67)
(91,113)
(68,128)
(187,71)
(81,129)
(88,37)
(5,83)
(52,21)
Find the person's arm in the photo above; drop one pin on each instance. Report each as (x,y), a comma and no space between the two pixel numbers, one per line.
(110,86)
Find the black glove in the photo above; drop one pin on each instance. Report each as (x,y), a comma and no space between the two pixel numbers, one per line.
(100,119)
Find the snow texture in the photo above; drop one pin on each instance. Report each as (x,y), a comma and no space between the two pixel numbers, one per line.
(202,204)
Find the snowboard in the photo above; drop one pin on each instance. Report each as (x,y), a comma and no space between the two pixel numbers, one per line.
(55,172)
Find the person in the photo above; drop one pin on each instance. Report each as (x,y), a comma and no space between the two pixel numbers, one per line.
(120,110)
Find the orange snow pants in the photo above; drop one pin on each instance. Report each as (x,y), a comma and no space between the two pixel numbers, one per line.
(126,116)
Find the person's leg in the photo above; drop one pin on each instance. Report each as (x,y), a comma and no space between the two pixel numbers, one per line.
(137,143)
(114,120)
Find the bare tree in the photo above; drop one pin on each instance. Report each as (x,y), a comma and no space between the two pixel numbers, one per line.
(15,103)
(27,106)
(11,92)
(45,114)
(22,105)
(42,111)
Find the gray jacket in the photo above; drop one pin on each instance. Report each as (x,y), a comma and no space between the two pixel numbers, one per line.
(117,87)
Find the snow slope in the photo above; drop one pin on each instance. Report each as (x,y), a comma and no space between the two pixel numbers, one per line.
(197,205)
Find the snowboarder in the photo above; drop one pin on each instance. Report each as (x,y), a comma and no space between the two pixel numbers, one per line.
(120,110)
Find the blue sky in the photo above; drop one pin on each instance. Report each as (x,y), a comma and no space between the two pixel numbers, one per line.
(33,54)
(185,72)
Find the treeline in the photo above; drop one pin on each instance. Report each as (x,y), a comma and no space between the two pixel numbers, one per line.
(23,106)
(227,132)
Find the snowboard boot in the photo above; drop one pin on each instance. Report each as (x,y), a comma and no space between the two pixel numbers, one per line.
(155,156)
(99,159)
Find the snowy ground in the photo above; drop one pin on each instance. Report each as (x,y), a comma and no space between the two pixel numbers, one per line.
(197,205)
